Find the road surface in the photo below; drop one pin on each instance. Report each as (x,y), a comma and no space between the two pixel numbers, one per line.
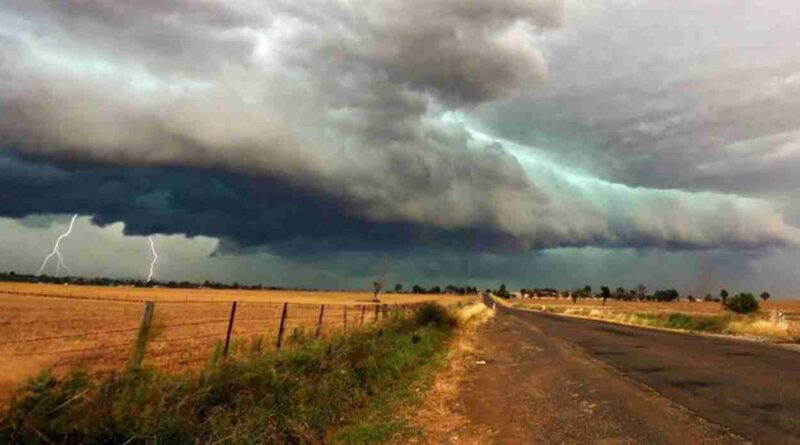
(553,379)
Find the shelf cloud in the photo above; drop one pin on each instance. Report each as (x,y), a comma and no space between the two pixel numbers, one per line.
(481,125)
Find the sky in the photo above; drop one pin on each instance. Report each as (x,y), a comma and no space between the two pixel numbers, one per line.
(536,143)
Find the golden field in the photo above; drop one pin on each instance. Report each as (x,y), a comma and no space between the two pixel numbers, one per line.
(765,325)
(59,327)
(707,308)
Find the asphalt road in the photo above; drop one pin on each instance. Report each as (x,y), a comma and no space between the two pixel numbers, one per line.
(749,389)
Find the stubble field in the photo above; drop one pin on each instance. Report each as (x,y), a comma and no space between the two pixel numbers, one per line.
(699,308)
(61,327)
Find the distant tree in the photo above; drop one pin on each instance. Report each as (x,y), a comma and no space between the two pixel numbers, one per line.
(398,288)
(723,295)
(764,296)
(436,290)
(418,289)
(605,292)
(743,303)
(587,290)
(503,292)
(641,292)
(691,299)
(666,295)
(708,298)
(619,293)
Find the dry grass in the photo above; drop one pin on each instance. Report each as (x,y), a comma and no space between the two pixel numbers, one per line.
(700,307)
(761,328)
(654,314)
(96,326)
(438,419)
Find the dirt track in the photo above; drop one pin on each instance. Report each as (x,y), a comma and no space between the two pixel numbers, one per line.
(551,379)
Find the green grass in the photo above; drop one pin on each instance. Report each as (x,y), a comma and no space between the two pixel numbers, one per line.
(345,389)
(716,324)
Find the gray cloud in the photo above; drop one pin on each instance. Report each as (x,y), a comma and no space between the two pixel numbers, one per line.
(363,103)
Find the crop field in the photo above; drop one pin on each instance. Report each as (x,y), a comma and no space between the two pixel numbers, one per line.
(60,327)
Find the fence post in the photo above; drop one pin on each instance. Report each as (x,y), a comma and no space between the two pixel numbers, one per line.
(142,337)
(319,321)
(282,326)
(345,318)
(230,329)
(363,310)
(375,320)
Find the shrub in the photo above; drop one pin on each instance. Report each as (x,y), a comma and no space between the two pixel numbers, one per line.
(434,314)
(695,323)
(743,303)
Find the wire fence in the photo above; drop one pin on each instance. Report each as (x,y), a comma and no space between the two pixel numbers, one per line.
(169,335)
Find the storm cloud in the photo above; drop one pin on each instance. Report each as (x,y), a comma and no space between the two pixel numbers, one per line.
(331,125)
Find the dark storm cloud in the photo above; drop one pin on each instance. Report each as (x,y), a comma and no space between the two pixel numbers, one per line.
(322,124)
(243,212)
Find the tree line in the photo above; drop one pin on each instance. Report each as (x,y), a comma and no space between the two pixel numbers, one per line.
(744,302)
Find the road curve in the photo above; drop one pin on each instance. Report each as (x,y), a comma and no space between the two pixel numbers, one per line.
(750,389)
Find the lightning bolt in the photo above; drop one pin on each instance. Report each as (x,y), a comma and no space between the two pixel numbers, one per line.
(57,252)
(155,258)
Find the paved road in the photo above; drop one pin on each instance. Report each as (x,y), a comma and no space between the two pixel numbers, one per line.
(748,389)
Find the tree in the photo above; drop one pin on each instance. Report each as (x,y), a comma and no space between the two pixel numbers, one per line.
(503,292)
(723,294)
(743,303)
(764,296)
(666,295)
(641,292)
(691,299)
(619,294)
(587,290)
(708,298)
(398,288)
(606,293)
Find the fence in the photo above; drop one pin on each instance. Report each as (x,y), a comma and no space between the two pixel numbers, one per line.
(105,335)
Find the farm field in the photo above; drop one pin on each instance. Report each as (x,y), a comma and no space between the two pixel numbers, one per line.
(707,308)
(59,327)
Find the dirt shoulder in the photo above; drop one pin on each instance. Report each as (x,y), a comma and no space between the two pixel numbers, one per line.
(441,418)
(539,389)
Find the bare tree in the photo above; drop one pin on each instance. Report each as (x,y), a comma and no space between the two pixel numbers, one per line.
(381,281)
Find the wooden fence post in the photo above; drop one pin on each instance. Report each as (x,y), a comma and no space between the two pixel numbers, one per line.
(363,310)
(319,321)
(142,336)
(282,326)
(345,318)
(375,320)
(230,329)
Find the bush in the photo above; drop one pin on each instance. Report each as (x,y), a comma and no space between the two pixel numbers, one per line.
(695,323)
(743,303)
(436,315)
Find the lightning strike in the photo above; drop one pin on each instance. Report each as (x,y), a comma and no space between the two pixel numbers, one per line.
(57,252)
(155,258)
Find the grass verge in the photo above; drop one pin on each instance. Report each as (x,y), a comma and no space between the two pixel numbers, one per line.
(304,395)
(727,323)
